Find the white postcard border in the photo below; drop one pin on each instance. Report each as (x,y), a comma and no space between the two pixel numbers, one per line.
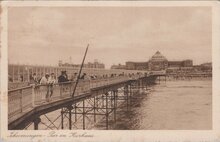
(115,135)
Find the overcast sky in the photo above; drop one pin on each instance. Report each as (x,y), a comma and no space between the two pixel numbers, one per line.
(45,35)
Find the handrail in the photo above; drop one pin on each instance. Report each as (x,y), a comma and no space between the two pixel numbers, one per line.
(30,96)
(12,90)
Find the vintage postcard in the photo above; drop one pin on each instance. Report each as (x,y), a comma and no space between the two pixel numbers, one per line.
(110,71)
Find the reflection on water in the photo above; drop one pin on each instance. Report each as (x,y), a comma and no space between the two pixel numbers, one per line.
(171,105)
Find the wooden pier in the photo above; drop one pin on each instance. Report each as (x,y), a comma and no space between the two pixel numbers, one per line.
(93,98)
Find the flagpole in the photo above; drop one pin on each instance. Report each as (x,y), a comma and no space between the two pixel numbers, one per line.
(78,77)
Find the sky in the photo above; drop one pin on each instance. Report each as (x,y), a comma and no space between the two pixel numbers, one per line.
(44,35)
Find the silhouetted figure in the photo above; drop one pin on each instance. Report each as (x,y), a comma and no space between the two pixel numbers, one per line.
(83,76)
(51,82)
(63,77)
(21,78)
(33,79)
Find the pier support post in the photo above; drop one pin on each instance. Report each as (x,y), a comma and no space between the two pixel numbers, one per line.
(106,103)
(94,108)
(84,124)
(75,112)
(36,123)
(103,100)
(126,94)
(116,98)
(115,107)
(62,118)
(70,116)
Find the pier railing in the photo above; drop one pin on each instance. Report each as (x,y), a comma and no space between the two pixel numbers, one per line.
(22,99)
(19,100)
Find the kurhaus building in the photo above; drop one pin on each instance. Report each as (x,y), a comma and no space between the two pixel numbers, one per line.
(159,62)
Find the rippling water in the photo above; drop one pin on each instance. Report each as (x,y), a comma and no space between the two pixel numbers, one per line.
(184,105)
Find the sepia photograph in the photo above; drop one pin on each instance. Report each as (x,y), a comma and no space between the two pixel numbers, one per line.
(109,68)
(142,69)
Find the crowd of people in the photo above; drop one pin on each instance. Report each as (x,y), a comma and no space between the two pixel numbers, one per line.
(52,79)
(48,80)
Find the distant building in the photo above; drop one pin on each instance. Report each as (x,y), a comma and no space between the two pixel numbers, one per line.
(175,64)
(185,65)
(157,62)
(95,64)
(136,65)
(206,67)
(119,66)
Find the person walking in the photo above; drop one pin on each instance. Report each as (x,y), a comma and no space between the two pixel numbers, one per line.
(61,80)
(51,82)
(44,79)
(45,84)
(33,79)
(63,77)
(83,76)
(84,80)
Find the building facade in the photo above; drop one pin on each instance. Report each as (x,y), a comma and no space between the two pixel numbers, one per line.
(119,66)
(95,64)
(136,65)
(157,62)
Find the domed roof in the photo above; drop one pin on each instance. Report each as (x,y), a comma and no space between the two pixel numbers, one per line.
(158,57)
